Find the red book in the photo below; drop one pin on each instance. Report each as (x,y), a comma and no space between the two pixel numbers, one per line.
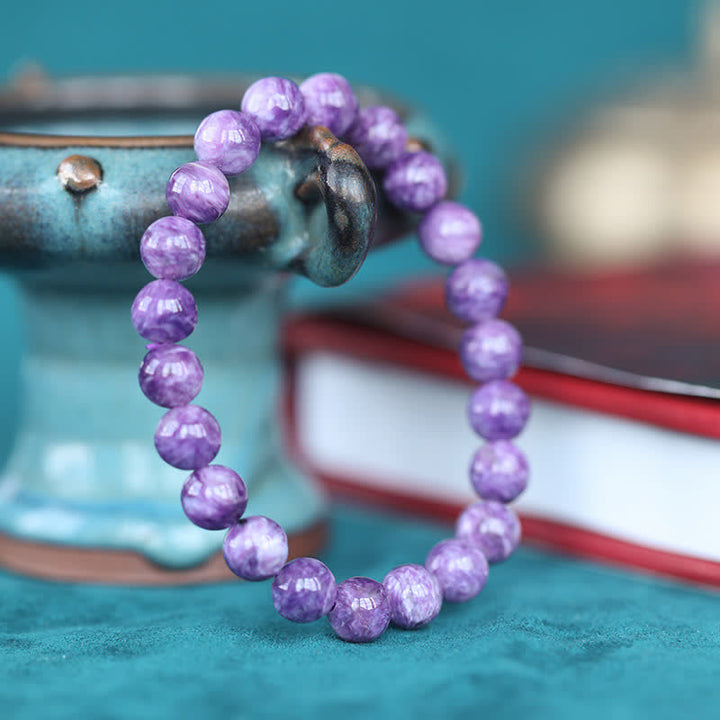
(624,371)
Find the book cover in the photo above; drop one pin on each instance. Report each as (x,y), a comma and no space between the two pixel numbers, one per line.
(623,370)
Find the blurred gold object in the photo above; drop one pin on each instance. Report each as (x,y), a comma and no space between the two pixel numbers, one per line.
(640,178)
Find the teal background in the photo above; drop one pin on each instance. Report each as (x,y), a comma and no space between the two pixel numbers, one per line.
(549,637)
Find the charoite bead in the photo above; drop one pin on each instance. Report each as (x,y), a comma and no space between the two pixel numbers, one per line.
(415,181)
(450,233)
(414,595)
(491,350)
(164,311)
(198,191)
(304,590)
(499,471)
(498,410)
(461,569)
(490,526)
(276,105)
(170,375)
(172,248)
(378,136)
(476,290)
(256,548)
(229,140)
(361,612)
(329,101)
(187,437)
(214,497)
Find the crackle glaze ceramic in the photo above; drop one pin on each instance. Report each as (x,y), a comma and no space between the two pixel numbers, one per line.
(83,168)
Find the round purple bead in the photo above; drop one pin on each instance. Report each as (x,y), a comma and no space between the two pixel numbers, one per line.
(329,101)
(415,182)
(170,375)
(304,590)
(461,569)
(476,290)
(164,312)
(214,497)
(229,140)
(498,410)
(361,612)
(256,548)
(172,248)
(187,437)
(450,233)
(378,136)
(490,526)
(491,350)
(499,471)
(276,105)
(198,191)
(414,594)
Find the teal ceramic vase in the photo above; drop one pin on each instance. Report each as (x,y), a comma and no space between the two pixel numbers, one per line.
(83,168)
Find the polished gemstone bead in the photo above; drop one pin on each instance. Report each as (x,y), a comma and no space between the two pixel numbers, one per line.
(214,497)
(256,548)
(170,375)
(490,526)
(172,248)
(198,191)
(461,569)
(378,136)
(164,312)
(276,105)
(187,437)
(498,410)
(491,350)
(362,610)
(499,471)
(415,181)
(304,590)
(329,101)
(229,140)
(476,290)
(414,595)
(450,233)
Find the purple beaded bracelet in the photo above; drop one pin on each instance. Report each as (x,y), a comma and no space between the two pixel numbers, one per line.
(214,497)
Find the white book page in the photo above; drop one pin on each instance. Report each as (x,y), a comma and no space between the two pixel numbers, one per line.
(403,430)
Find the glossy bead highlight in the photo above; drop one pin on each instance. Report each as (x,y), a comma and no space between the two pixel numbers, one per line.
(329,101)
(228,140)
(170,375)
(214,497)
(187,437)
(277,106)
(450,233)
(499,471)
(172,248)
(256,548)
(378,136)
(415,182)
(476,290)
(498,410)
(414,595)
(491,350)
(460,568)
(198,191)
(164,311)
(490,526)
(304,590)
(361,612)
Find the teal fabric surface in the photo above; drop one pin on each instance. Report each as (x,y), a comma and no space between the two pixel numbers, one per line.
(548,638)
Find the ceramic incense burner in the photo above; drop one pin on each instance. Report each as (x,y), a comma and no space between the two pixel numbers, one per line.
(83,167)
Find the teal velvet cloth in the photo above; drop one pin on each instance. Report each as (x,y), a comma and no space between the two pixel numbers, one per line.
(549,637)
